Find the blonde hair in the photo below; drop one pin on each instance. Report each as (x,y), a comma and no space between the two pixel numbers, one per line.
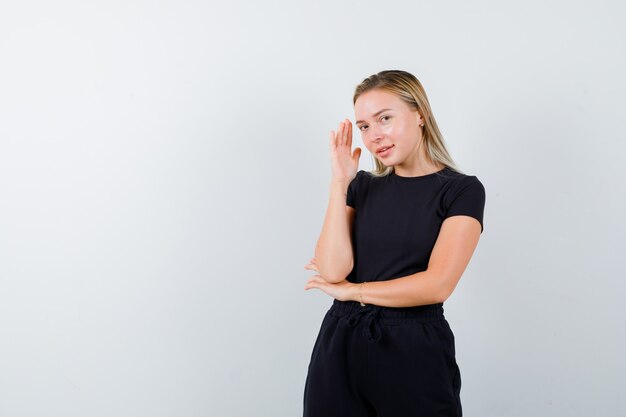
(407,87)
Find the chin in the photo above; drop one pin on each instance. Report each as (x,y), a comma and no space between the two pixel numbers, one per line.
(386,162)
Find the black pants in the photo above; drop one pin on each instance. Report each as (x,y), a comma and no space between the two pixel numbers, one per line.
(383,362)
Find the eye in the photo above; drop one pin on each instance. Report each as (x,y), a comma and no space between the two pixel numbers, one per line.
(362,127)
(385,118)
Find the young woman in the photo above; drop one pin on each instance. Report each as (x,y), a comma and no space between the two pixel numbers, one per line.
(393,246)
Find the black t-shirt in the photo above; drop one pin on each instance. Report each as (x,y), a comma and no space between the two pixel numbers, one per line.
(397,219)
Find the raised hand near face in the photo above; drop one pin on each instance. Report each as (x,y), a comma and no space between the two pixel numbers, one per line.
(345,162)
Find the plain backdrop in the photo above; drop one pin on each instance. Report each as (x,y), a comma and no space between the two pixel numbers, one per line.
(164,174)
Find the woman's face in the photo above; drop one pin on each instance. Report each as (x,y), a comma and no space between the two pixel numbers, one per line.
(389,127)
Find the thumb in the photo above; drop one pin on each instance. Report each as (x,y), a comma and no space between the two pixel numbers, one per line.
(356,154)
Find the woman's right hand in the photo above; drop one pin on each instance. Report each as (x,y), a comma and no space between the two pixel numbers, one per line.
(345,163)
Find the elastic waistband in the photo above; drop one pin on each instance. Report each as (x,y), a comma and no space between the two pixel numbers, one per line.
(389,315)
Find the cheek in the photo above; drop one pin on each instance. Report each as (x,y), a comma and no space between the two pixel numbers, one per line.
(388,128)
(367,140)
(397,128)
(400,132)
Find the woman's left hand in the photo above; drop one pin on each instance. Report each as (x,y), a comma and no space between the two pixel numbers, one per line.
(342,291)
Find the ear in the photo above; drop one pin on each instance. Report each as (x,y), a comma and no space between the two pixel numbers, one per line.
(420,119)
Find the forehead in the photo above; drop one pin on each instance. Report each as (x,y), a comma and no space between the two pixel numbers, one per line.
(373,101)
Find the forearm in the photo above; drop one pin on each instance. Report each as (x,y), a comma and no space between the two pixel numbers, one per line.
(333,252)
(412,290)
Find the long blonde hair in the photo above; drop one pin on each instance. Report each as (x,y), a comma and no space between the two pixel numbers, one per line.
(408,88)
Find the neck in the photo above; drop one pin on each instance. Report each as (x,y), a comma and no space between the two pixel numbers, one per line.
(417,168)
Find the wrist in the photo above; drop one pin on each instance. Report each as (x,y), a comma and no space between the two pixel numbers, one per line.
(357,294)
(339,185)
(353,294)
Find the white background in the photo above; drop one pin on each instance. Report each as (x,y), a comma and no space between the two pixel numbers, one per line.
(164,175)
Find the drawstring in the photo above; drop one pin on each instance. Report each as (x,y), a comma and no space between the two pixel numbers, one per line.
(372,328)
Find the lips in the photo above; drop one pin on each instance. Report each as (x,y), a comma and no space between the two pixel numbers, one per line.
(383,148)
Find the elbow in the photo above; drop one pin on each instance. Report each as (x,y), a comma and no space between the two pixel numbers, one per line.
(334,279)
(335,275)
(334,267)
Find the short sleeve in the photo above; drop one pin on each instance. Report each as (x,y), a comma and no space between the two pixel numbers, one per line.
(352,187)
(468,199)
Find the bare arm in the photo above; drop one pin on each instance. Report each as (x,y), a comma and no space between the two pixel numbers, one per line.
(333,252)
(451,254)
(457,240)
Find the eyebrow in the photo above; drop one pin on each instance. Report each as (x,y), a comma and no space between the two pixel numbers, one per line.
(373,115)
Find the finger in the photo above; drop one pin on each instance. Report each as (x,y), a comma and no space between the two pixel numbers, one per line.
(314,284)
(346,128)
(317,280)
(311,284)
(344,139)
(339,140)
(349,134)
